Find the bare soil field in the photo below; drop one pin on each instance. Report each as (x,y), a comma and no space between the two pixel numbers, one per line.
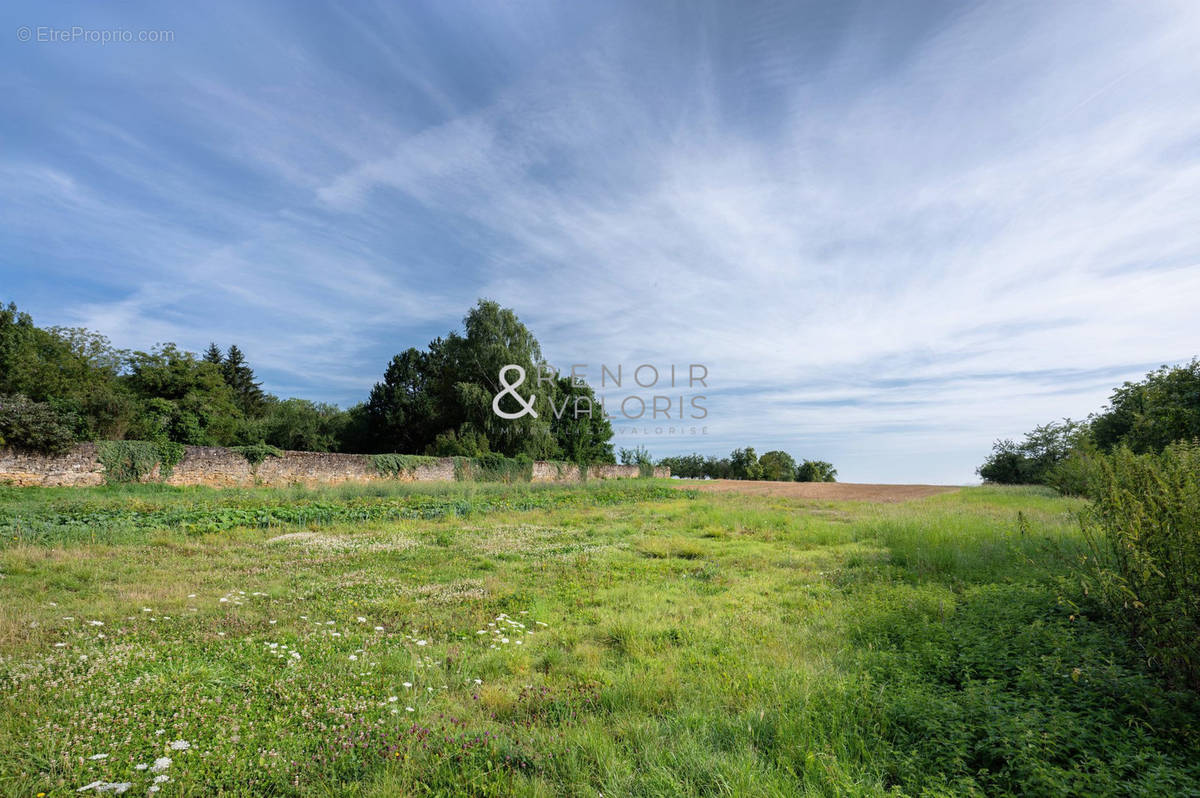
(836,491)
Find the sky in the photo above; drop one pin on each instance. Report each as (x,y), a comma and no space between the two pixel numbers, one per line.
(892,232)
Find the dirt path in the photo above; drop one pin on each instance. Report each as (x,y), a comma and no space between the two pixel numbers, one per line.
(835,491)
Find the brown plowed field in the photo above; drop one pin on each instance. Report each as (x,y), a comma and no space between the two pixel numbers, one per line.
(822,491)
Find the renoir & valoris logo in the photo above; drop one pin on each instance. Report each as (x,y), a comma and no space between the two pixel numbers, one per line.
(642,392)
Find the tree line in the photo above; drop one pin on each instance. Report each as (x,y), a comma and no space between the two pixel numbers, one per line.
(745,463)
(60,386)
(1145,417)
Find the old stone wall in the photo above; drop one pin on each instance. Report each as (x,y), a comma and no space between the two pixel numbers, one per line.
(218,467)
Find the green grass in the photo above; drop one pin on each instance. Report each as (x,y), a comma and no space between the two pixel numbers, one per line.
(659,643)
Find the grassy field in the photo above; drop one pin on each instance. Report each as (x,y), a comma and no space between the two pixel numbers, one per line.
(616,638)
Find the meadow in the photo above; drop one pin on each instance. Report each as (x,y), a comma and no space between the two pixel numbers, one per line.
(615,638)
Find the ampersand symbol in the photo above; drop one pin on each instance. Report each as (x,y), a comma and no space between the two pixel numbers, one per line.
(510,389)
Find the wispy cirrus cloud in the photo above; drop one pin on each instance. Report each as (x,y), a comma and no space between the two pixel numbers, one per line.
(892,237)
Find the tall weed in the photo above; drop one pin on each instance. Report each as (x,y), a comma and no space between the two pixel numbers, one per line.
(1143,530)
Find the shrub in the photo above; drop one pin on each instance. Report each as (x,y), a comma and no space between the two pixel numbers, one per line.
(35,426)
(494,467)
(255,453)
(1072,475)
(393,465)
(133,461)
(1143,530)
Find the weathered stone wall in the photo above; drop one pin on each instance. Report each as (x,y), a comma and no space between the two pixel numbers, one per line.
(218,467)
(77,467)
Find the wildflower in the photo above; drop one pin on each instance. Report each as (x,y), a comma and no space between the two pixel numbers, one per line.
(392,699)
(180,745)
(95,623)
(353,657)
(95,757)
(160,764)
(162,779)
(422,642)
(224,600)
(409,709)
(362,619)
(141,766)
(408,684)
(479,681)
(378,628)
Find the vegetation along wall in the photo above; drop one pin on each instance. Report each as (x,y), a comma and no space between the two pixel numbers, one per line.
(172,464)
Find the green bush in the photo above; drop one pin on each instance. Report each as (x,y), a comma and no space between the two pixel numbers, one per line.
(133,461)
(394,465)
(493,467)
(1072,475)
(35,426)
(1143,530)
(816,471)
(255,453)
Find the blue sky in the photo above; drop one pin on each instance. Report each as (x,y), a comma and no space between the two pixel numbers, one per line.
(893,231)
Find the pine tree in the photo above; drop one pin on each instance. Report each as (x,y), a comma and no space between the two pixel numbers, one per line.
(240,377)
(213,355)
